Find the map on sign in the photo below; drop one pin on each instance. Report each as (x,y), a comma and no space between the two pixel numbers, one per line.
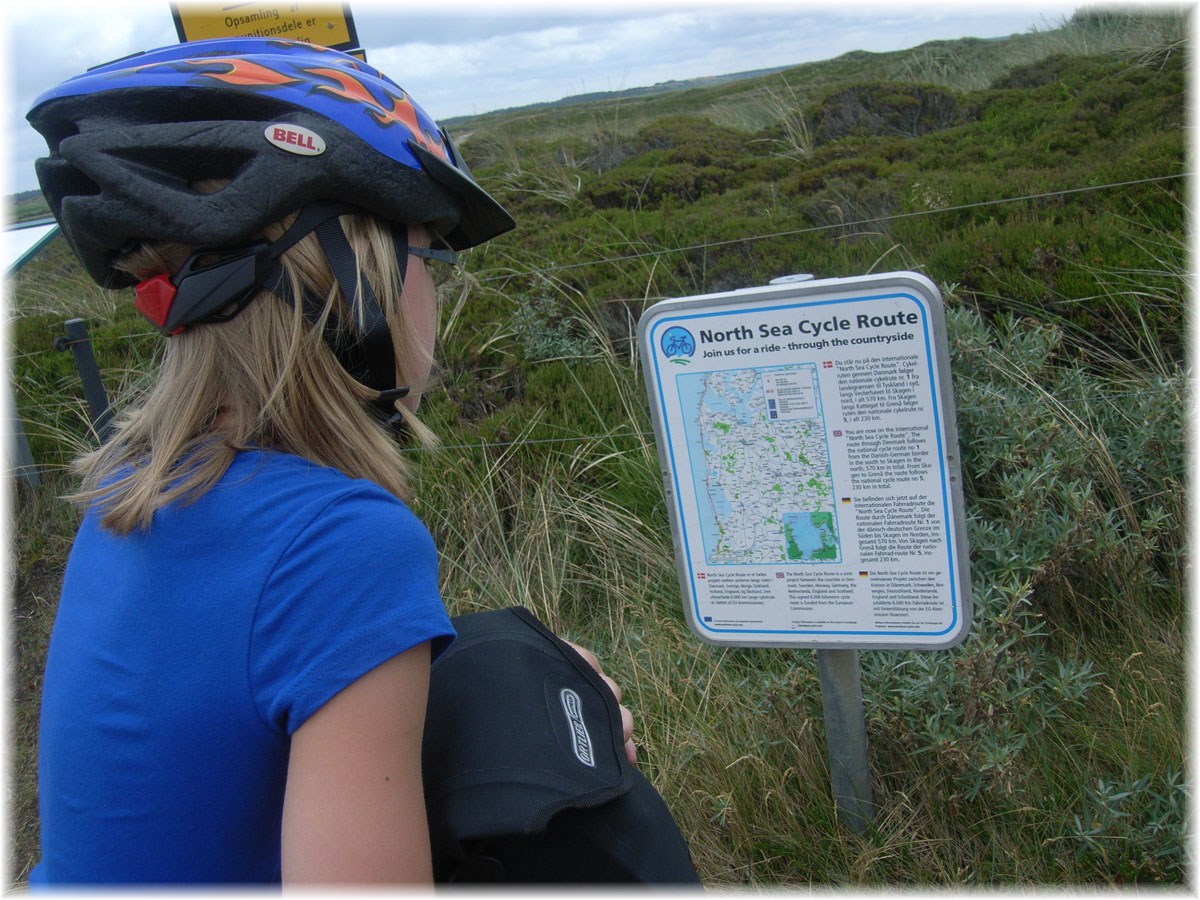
(809,455)
(760,464)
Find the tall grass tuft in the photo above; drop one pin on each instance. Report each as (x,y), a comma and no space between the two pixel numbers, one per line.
(787,109)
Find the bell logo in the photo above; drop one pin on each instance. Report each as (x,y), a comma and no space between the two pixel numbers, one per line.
(295,139)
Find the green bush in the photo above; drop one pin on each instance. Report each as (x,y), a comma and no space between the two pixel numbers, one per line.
(888,109)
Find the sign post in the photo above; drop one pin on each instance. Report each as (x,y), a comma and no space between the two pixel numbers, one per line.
(846,737)
(806,434)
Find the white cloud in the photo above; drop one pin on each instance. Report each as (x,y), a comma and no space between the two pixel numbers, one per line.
(479,58)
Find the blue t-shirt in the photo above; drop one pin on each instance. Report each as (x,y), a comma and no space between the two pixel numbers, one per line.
(184,657)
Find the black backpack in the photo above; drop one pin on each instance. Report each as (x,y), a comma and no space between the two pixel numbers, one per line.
(526,779)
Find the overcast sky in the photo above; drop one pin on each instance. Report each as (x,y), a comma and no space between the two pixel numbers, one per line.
(483,58)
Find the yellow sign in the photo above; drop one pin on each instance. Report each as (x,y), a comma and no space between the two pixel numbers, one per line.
(313,21)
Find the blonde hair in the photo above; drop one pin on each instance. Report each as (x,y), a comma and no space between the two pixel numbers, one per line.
(265,379)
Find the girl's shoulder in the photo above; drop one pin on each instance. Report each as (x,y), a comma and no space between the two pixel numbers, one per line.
(261,470)
(270,486)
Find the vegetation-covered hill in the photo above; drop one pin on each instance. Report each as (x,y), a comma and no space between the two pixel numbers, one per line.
(1040,181)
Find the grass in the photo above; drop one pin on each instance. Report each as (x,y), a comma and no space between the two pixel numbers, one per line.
(734,738)
(45,525)
(1047,748)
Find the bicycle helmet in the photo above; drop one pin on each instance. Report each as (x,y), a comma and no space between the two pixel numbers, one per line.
(291,125)
(127,138)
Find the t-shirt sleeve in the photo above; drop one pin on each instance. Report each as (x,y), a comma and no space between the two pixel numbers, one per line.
(356,586)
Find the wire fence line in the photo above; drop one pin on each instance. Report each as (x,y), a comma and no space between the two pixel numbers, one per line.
(1160,391)
(1166,391)
(707,245)
(62,344)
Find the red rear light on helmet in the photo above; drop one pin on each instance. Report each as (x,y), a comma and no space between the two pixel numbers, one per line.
(154,297)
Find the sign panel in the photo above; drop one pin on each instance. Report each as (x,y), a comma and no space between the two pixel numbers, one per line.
(324,23)
(809,452)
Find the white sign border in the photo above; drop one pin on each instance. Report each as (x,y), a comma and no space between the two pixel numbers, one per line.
(805,293)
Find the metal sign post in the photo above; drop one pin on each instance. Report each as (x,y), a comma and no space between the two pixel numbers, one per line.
(809,454)
(79,342)
(846,737)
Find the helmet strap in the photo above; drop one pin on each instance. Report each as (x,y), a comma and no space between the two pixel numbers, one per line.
(218,291)
(368,355)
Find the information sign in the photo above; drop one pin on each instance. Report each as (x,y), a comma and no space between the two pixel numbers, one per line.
(328,24)
(807,438)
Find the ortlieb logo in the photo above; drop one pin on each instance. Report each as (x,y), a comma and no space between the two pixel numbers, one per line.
(295,139)
(581,741)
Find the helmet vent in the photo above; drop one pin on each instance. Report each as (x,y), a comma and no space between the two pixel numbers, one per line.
(188,165)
